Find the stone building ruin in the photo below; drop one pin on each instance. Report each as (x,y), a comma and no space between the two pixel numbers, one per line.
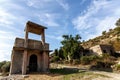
(30,55)
(102,49)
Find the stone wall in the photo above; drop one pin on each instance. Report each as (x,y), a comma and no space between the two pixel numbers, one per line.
(32,44)
(107,49)
(16,63)
(96,50)
(100,49)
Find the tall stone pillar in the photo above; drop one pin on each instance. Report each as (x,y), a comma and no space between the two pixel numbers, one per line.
(24,64)
(11,67)
(48,61)
(44,62)
(43,37)
(26,39)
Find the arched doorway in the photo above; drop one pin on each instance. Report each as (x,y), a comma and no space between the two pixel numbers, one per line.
(33,63)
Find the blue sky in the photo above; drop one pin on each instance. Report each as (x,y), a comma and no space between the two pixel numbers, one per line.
(85,17)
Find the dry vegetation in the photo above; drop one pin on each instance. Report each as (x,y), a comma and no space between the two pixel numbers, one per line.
(110,37)
(74,74)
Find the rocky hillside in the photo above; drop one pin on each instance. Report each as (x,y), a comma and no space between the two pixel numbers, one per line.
(110,37)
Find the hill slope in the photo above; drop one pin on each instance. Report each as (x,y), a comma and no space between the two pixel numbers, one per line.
(110,37)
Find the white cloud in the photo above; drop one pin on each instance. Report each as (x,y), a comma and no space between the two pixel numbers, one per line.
(5,17)
(35,3)
(63,4)
(7,20)
(40,4)
(82,2)
(7,36)
(4,34)
(106,24)
(6,44)
(47,3)
(5,55)
(100,15)
(7,32)
(4,1)
(49,19)
(59,38)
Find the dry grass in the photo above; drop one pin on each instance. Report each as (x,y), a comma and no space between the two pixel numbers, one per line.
(62,74)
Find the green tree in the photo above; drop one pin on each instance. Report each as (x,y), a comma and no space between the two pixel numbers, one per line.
(71,47)
(104,32)
(118,22)
(1,64)
(6,67)
(55,56)
(117,30)
(61,55)
(56,52)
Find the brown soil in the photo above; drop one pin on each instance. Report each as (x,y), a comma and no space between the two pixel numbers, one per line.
(111,76)
(44,77)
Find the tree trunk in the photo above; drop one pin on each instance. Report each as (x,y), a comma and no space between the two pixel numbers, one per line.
(69,58)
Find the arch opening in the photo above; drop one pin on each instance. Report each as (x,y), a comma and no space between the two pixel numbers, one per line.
(33,63)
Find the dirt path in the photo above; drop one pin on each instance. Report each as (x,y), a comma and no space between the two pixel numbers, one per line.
(44,77)
(86,75)
(112,76)
(96,75)
(0,75)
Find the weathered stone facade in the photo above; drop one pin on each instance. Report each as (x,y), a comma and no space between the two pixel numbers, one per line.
(102,49)
(30,55)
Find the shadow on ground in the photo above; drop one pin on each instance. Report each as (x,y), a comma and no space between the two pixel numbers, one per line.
(93,68)
(66,71)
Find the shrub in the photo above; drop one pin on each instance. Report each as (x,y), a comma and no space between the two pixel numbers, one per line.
(5,74)
(118,66)
(76,61)
(102,65)
(105,55)
(104,32)
(105,61)
(55,59)
(108,58)
(85,60)
(93,57)
(6,67)
(66,62)
(88,59)
(1,64)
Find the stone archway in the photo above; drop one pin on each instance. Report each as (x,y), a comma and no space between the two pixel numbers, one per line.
(33,63)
